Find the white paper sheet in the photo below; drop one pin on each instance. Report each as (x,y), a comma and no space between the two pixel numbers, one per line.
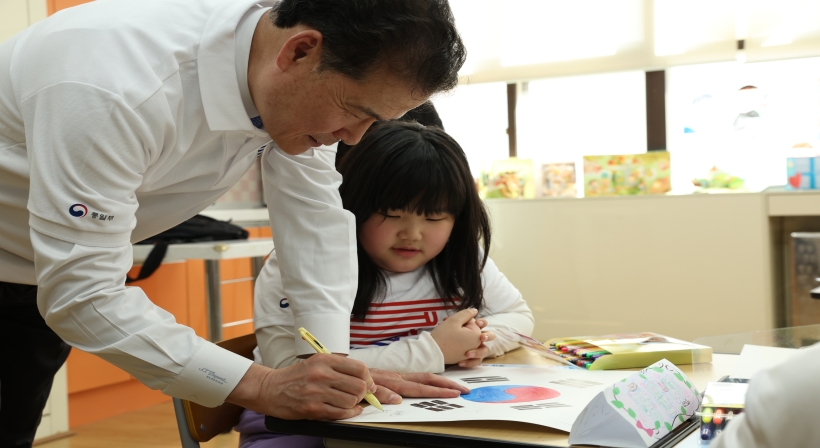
(550,396)
(754,358)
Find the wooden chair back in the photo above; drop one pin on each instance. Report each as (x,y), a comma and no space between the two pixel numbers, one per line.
(197,423)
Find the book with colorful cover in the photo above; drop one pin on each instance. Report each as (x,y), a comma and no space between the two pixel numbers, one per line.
(558,180)
(512,179)
(623,175)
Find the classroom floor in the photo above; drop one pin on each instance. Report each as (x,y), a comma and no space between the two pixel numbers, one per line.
(153,426)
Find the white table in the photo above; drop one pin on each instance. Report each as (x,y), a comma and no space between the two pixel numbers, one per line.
(212,252)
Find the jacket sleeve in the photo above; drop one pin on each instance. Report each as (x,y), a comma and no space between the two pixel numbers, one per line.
(315,241)
(82,297)
(504,308)
(781,407)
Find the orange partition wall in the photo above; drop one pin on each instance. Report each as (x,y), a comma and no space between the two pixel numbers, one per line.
(56,5)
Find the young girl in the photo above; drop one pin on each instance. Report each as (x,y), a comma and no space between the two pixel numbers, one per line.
(423,239)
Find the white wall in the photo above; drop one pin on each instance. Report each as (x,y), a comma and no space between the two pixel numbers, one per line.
(684,266)
(16,15)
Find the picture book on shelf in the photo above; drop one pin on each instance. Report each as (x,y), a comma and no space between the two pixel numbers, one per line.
(558,180)
(623,175)
(511,178)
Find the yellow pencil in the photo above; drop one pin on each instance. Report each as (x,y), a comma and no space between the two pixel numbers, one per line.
(310,339)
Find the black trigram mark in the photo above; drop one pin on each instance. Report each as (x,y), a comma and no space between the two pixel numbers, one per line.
(484,379)
(436,405)
(530,407)
(576,383)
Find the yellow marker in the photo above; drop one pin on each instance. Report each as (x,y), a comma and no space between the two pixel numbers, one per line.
(310,339)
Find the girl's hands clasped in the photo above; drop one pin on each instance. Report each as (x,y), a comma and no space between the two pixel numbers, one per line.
(461,340)
(474,357)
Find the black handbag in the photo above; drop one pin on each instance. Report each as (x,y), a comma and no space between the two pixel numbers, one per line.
(194,230)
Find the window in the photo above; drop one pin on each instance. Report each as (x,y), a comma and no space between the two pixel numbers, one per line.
(744,119)
(476,117)
(564,119)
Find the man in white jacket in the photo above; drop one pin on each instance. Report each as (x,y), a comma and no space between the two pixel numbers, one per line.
(122,118)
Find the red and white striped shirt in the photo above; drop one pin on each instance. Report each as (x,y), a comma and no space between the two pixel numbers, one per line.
(386,323)
(410,306)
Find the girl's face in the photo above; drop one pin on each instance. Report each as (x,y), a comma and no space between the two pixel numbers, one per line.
(401,241)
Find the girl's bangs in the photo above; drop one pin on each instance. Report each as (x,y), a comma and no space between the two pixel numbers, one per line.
(426,182)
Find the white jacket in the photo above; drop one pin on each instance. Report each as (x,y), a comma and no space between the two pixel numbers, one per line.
(120,119)
(782,405)
(396,333)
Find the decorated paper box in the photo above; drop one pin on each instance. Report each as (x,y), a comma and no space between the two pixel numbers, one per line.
(639,410)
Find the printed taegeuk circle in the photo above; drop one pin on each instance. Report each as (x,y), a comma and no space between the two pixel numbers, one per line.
(78,210)
(510,394)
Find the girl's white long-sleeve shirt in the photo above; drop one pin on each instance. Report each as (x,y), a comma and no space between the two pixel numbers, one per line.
(395,334)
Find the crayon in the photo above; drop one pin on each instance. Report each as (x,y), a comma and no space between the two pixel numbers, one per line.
(707,415)
(719,428)
(583,351)
(599,353)
(566,342)
(573,347)
(582,363)
(566,347)
(718,417)
(588,348)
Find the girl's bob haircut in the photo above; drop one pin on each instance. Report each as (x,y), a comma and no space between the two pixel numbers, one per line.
(410,167)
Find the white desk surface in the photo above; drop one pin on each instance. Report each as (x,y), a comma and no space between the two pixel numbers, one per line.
(238,215)
(210,250)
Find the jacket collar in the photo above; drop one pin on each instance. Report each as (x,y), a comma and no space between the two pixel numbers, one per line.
(216,65)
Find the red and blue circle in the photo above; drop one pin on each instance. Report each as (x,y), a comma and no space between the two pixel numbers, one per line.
(510,394)
(78,210)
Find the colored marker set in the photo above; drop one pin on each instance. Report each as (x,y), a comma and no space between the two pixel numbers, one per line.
(722,401)
(580,353)
(714,420)
(624,351)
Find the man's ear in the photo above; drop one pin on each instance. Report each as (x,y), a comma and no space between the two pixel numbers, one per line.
(303,48)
